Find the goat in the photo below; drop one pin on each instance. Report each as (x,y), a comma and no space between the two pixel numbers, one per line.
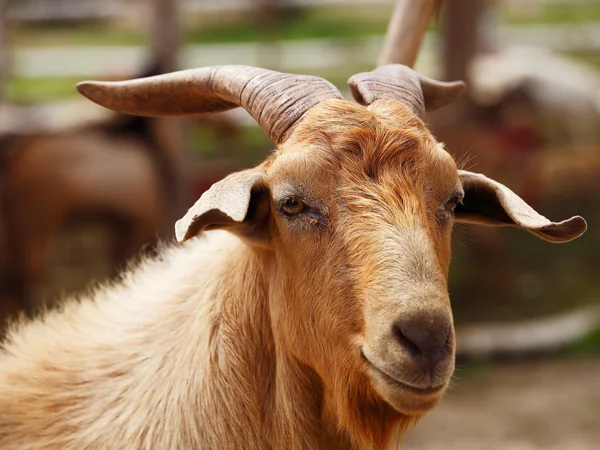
(115,168)
(309,307)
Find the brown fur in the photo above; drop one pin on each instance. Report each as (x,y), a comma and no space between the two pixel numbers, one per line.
(257,342)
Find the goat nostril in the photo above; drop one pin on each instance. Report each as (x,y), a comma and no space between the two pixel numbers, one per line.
(425,337)
(447,347)
(405,342)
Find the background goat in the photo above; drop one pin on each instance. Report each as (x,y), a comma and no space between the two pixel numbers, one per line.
(321,320)
(118,170)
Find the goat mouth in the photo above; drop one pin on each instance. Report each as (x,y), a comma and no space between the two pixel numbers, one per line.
(394,381)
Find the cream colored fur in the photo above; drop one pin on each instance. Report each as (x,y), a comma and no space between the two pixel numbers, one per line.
(177,356)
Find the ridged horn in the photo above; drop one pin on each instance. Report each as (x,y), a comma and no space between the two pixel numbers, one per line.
(399,82)
(276,100)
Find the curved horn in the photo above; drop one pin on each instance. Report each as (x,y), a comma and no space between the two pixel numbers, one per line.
(399,82)
(276,100)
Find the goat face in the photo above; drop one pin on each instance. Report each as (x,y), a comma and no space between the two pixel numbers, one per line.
(362,204)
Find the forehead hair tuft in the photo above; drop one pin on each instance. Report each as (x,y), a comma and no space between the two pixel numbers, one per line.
(367,140)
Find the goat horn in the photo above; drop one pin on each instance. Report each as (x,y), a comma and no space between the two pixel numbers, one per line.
(276,100)
(399,82)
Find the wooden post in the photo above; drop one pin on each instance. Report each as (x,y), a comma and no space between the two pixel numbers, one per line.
(461,36)
(405,31)
(165,41)
(165,36)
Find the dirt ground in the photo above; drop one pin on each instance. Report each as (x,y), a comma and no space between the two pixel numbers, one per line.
(550,405)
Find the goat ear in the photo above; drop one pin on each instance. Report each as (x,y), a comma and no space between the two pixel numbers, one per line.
(227,203)
(491,203)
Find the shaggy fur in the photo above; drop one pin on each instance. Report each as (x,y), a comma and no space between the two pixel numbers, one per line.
(257,338)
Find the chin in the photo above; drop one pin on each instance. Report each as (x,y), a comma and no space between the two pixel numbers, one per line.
(404,398)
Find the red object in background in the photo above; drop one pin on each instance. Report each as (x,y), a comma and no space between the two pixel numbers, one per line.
(521,144)
(519,138)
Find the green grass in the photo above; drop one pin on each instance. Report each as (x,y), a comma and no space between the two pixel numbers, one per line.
(590,58)
(296,23)
(246,146)
(39,90)
(588,344)
(96,34)
(555,13)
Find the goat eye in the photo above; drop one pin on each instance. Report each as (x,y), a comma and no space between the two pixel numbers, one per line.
(452,203)
(292,205)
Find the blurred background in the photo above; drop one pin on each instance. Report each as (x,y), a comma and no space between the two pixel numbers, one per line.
(83,190)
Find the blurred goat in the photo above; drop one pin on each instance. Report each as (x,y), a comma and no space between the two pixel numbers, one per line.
(115,169)
(319,319)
